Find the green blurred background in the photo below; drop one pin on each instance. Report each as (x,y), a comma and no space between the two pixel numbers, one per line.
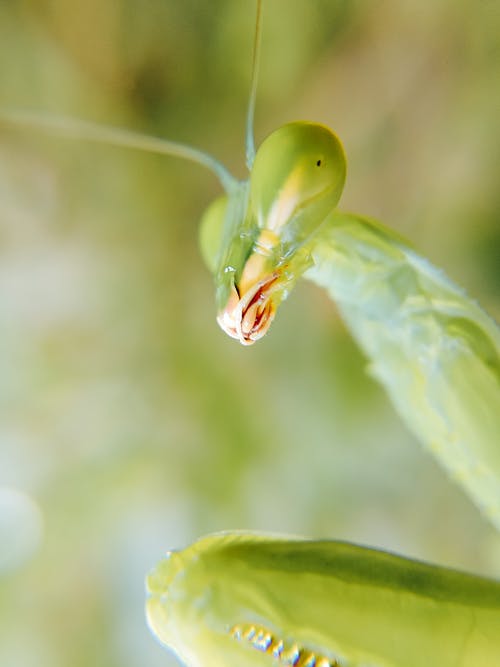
(129,423)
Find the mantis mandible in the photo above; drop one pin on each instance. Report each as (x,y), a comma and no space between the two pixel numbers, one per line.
(434,350)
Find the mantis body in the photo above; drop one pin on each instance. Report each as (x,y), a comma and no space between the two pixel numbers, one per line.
(252,601)
(436,353)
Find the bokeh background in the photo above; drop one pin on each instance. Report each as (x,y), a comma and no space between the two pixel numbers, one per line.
(129,424)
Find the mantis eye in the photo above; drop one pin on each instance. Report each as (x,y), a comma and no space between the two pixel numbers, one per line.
(211,232)
(297,179)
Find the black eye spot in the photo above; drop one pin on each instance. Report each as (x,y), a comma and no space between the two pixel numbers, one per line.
(318,163)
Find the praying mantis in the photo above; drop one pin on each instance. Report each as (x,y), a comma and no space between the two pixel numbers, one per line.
(432,348)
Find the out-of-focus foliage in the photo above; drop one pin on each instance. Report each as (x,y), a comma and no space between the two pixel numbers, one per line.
(128,422)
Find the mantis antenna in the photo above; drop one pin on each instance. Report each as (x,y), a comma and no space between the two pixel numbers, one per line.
(250,143)
(88,131)
(80,129)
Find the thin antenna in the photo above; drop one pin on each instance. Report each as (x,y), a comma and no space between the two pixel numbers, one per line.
(250,143)
(80,129)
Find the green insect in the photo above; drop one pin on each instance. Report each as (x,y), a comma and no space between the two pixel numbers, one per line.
(252,601)
(241,600)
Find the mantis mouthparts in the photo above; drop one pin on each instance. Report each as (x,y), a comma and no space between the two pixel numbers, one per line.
(247,317)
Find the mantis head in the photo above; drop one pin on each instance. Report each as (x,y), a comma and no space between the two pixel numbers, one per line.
(296,180)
